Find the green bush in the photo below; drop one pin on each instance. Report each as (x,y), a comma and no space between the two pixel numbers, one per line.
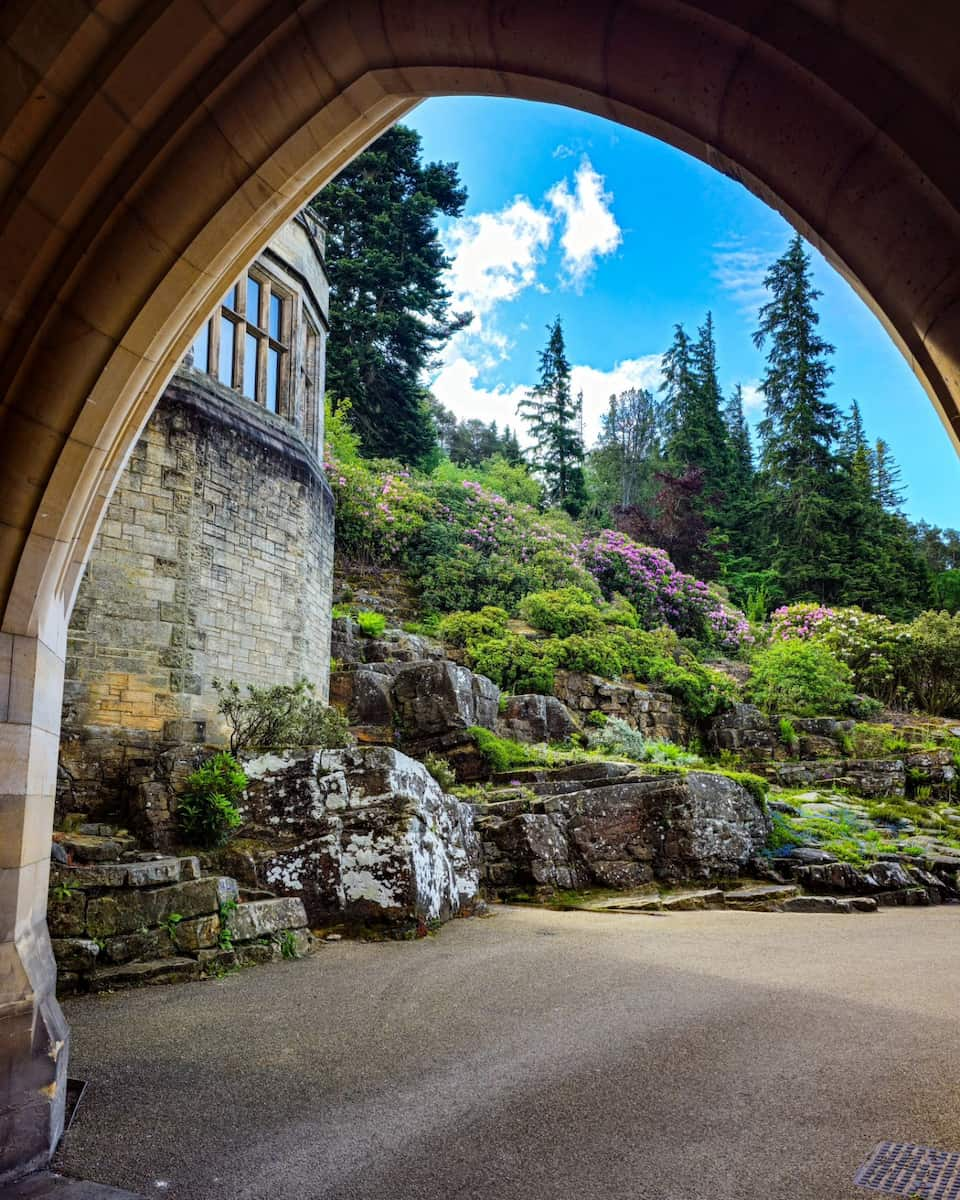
(930,666)
(563,611)
(515,663)
(279,717)
(207,808)
(617,737)
(441,771)
(462,628)
(500,754)
(371,624)
(802,678)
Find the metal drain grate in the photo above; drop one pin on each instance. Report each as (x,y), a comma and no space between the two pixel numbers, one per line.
(901,1169)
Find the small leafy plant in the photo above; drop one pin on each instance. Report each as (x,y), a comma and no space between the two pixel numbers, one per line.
(225,938)
(207,810)
(371,624)
(278,717)
(788,735)
(287,942)
(441,771)
(171,923)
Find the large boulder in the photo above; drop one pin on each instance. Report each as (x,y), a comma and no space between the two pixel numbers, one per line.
(535,718)
(363,834)
(627,832)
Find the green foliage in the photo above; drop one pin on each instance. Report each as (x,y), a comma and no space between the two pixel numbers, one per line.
(441,771)
(287,942)
(788,735)
(515,663)
(930,672)
(562,612)
(225,937)
(801,678)
(617,737)
(596,718)
(462,628)
(510,480)
(279,717)
(171,923)
(500,754)
(207,808)
(372,624)
(388,301)
(338,433)
(553,416)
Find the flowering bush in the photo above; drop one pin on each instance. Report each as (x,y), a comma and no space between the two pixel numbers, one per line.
(467,546)
(660,593)
(871,645)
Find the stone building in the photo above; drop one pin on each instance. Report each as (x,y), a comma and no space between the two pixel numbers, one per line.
(215,557)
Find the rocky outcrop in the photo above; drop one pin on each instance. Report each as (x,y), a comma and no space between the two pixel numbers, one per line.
(655,714)
(755,737)
(119,923)
(872,778)
(363,835)
(536,719)
(619,830)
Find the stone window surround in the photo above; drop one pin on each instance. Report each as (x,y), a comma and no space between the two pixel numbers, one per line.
(269,287)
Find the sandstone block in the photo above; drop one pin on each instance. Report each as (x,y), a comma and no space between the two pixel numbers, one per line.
(75,954)
(262,917)
(141,974)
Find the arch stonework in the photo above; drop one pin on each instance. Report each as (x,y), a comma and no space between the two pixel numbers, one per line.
(150,148)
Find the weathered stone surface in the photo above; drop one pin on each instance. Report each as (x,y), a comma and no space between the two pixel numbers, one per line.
(873,778)
(124,912)
(887,876)
(746,731)
(97,876)
(761,898)
(818,904)
(261,917)
(912,897)
(932,768)
(139,974)
(655,714)
(189,869)
(534,718)
(693,901)
(142,944)
(808,855)
(832,877)
(66,913)
(75,954)
(91,849)
(197,933)
(364,832)
(434,698)
(149,874)
(626,832)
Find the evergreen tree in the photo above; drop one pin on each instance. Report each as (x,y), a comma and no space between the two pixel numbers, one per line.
(553,418)
(628,450)
(740,470)
(679,381)
(389,309)
(798,432)
(886,477)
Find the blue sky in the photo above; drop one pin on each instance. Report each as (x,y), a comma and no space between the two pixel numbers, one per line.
(622,236)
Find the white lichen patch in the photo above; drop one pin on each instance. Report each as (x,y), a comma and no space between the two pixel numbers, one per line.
(265,764)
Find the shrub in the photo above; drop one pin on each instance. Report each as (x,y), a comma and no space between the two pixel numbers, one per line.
(372,624)
(930,668)
(800,677)
(500,754)
(618,737)
(278,717)
(563,611)
(515,663)
(207,808)
(788,735)
(441,771)
(463,628)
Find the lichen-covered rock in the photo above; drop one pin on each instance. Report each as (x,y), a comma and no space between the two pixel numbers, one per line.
(364,833)
(655,714)
(873,778)
(627,831)
(746,731)
(535,718)
(435,698)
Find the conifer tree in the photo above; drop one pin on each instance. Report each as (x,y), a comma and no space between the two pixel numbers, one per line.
(553,418)
(798,432)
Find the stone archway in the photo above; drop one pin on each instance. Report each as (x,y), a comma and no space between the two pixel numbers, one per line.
(149,150)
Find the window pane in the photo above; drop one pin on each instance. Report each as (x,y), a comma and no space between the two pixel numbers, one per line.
(201,349)
(273,378)
(230,299)
(250,366)
(228,332)
(253,300)
(276,312)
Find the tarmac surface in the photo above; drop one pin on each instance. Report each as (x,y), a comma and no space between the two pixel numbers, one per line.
(535,1054)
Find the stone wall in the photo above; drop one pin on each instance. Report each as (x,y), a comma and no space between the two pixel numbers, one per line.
(215,560)
(655,714)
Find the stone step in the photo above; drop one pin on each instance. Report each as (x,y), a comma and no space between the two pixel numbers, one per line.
(262,917)
(691,901)
(582,773)
(87,848)
(141,974)
(766,897)
(146,908)
(150,873)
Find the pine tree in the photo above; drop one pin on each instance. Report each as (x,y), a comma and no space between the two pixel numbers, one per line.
(741,470)
(886,476)
(389,307)
(553,419)
(679,381)
(798,432)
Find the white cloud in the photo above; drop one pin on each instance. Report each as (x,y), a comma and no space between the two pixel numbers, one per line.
(456,388)
(753,400)
(598,386)
(590,228)
(740,270)
(496,255)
